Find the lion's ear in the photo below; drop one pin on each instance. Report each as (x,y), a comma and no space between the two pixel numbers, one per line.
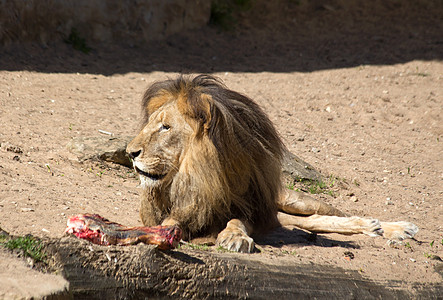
(207,115)
(198,110)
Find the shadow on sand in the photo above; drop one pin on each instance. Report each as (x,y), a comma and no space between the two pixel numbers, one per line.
(291,37)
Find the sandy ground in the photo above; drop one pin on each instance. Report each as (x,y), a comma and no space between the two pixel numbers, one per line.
(363,105)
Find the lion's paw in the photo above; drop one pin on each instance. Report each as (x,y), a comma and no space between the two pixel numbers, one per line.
(399,230)
(236,240)
(372,227)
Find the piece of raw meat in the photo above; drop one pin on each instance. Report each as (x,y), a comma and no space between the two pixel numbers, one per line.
(101,231)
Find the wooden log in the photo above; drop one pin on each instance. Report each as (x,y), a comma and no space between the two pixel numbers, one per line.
(142,271)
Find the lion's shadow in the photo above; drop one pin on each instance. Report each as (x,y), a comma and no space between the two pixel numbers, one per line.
(284,236)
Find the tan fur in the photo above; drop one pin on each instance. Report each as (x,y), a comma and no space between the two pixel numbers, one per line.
(209,160)
(221,157)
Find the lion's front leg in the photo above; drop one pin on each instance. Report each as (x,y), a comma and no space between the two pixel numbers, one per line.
(235,237)
(150,214)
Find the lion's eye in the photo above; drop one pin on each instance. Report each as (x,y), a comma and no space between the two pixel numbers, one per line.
(164,127)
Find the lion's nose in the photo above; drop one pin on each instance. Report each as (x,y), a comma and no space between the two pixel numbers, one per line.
(134,154)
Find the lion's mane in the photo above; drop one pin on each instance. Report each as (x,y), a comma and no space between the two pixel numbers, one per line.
(231,168)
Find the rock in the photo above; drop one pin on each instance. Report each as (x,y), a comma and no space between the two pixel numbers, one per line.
(294,168)
(315,150)
(18,281)
(113,149)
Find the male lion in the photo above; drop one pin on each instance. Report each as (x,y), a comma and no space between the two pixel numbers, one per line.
(209,160)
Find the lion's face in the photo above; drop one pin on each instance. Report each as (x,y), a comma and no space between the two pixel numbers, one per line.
(158,148)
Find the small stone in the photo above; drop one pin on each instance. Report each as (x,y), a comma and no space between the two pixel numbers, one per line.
(389,201)
(412,259)
(315,150)
(354,199)
(27,209)
(349,255)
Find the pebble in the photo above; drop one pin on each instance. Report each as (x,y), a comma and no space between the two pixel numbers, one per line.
(26,209)
(315,150)
(354,199)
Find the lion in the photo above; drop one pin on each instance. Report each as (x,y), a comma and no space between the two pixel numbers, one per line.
(209,161)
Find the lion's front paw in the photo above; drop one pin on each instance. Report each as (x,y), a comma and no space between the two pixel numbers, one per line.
(234,239)
(399,230)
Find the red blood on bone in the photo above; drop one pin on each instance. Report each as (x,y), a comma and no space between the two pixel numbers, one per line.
(101,231)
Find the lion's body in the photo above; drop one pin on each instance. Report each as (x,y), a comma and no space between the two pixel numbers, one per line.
(209,158)
(221,153)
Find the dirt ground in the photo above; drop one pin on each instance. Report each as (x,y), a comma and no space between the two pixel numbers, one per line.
(356,91)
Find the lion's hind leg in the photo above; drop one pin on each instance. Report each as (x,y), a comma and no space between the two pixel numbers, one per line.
(305,212)
(298,203)
(399,230)
(332,224)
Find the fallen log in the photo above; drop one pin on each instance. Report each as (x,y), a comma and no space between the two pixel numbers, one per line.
(142,271)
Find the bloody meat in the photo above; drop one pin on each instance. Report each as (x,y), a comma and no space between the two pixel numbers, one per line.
(101,231)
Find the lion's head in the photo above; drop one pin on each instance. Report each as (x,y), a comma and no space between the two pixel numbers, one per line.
(205,155)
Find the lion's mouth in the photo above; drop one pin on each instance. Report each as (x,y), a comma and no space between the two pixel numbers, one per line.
(150,175)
